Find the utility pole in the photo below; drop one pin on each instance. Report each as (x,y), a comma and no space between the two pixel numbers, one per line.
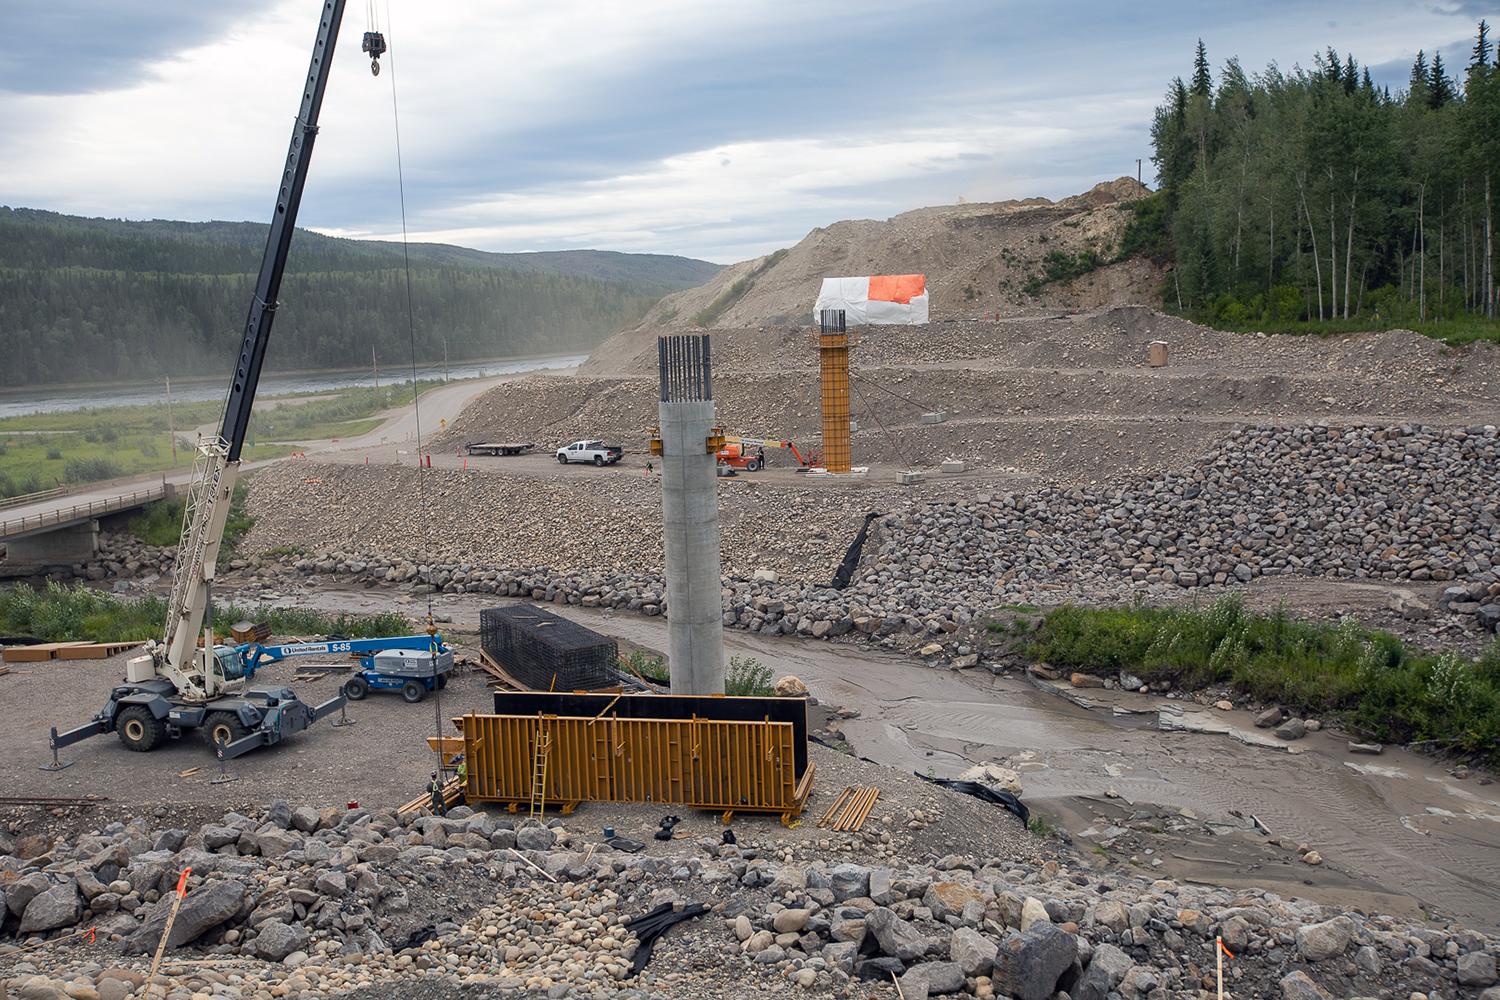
(171,424)
(1137,169)
(376,364)
(445,357)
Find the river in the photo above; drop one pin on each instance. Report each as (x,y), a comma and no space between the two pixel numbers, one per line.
(56,399)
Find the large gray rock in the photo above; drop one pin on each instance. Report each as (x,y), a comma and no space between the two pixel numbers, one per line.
(1028,964)
(1300,986)
(1477,968)
(23,890)
(1320,942)
(1292,729)
(896,937)
(849,881)
(215,836)
(275,941)
(279,814)
(305,818)
(841,955)
(974,953)
(535,838)
(59,906)
(203,909)
(1106,970)
(932,979)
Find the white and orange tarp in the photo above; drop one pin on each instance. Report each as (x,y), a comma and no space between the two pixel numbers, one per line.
(871,301)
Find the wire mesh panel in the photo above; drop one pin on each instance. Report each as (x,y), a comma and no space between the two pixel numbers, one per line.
(547,652)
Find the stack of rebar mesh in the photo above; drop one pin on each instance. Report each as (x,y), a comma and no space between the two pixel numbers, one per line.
(545,652)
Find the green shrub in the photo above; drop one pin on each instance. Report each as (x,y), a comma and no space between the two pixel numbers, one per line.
(160,522)
(747,677)
(91,470)
(54,454)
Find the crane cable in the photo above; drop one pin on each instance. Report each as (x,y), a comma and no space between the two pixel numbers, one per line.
(411,332)
(885,430)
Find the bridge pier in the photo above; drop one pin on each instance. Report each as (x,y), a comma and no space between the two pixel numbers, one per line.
(75,543)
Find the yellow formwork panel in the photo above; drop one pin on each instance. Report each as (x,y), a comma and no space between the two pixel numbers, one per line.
(705,764)
(833,357)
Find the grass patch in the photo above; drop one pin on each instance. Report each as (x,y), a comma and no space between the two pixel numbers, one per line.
(747,677)
(160,523)
(708,315)
(651,668)
(1378,685)
(1041,826)
(57,612)
(1455,332)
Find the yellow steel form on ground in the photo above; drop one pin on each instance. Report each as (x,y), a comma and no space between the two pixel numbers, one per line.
(725,766)
(833,356)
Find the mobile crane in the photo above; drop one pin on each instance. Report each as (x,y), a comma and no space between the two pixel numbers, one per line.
(179,684)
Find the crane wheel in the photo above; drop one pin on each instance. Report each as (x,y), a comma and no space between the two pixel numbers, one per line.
(356,689)
(413,691)
(223,728)
(140,730)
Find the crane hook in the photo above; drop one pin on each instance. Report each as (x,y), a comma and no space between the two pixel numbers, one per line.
(374,45)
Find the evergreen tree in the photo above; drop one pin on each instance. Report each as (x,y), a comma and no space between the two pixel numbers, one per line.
(1202,75)
(1351,74)
(1481,55)
(1439,87)
(1419,77)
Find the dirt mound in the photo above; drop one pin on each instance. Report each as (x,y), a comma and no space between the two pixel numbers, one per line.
(979,260)
(1066,398)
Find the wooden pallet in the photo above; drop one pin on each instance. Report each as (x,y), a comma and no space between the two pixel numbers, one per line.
(80,650)
(850,809)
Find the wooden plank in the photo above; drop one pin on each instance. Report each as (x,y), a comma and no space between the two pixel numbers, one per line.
(39,653)
(93,650)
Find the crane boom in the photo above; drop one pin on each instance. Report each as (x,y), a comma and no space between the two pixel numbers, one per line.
(217,466)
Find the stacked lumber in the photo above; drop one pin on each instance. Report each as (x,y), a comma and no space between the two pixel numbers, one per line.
(422,804)
(81,650)
(850,808)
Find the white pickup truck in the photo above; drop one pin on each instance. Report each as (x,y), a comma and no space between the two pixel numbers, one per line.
(590,451)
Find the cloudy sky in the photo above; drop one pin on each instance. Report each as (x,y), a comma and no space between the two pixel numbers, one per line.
(710,128)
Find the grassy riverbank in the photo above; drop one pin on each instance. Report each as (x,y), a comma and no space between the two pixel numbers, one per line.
(1379,686)
(57,613)
(41,451)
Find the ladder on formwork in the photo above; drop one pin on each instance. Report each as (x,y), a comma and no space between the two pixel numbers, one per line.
(542,750)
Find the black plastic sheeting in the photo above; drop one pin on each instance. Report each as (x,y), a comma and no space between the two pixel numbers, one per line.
(851,558)
(997,796)
(648,927)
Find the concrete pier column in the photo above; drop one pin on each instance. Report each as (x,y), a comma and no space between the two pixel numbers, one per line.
(690,517)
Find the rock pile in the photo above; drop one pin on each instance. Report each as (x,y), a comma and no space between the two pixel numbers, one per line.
(316,902)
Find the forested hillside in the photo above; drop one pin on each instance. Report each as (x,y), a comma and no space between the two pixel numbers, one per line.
(85,299)
(1317,195)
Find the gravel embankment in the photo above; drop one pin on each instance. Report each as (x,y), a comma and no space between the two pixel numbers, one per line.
(1410,505)
(306,901)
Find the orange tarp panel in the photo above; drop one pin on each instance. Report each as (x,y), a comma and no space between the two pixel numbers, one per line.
(897,287)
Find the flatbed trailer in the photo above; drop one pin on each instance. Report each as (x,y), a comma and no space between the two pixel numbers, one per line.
(499,447)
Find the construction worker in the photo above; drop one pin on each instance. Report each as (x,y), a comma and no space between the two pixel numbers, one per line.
(436,788)
(463,773)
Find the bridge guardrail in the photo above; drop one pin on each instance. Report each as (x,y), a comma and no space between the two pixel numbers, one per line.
(37,497)
(77,512)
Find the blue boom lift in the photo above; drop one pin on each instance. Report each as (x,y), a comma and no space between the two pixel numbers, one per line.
(412,664)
